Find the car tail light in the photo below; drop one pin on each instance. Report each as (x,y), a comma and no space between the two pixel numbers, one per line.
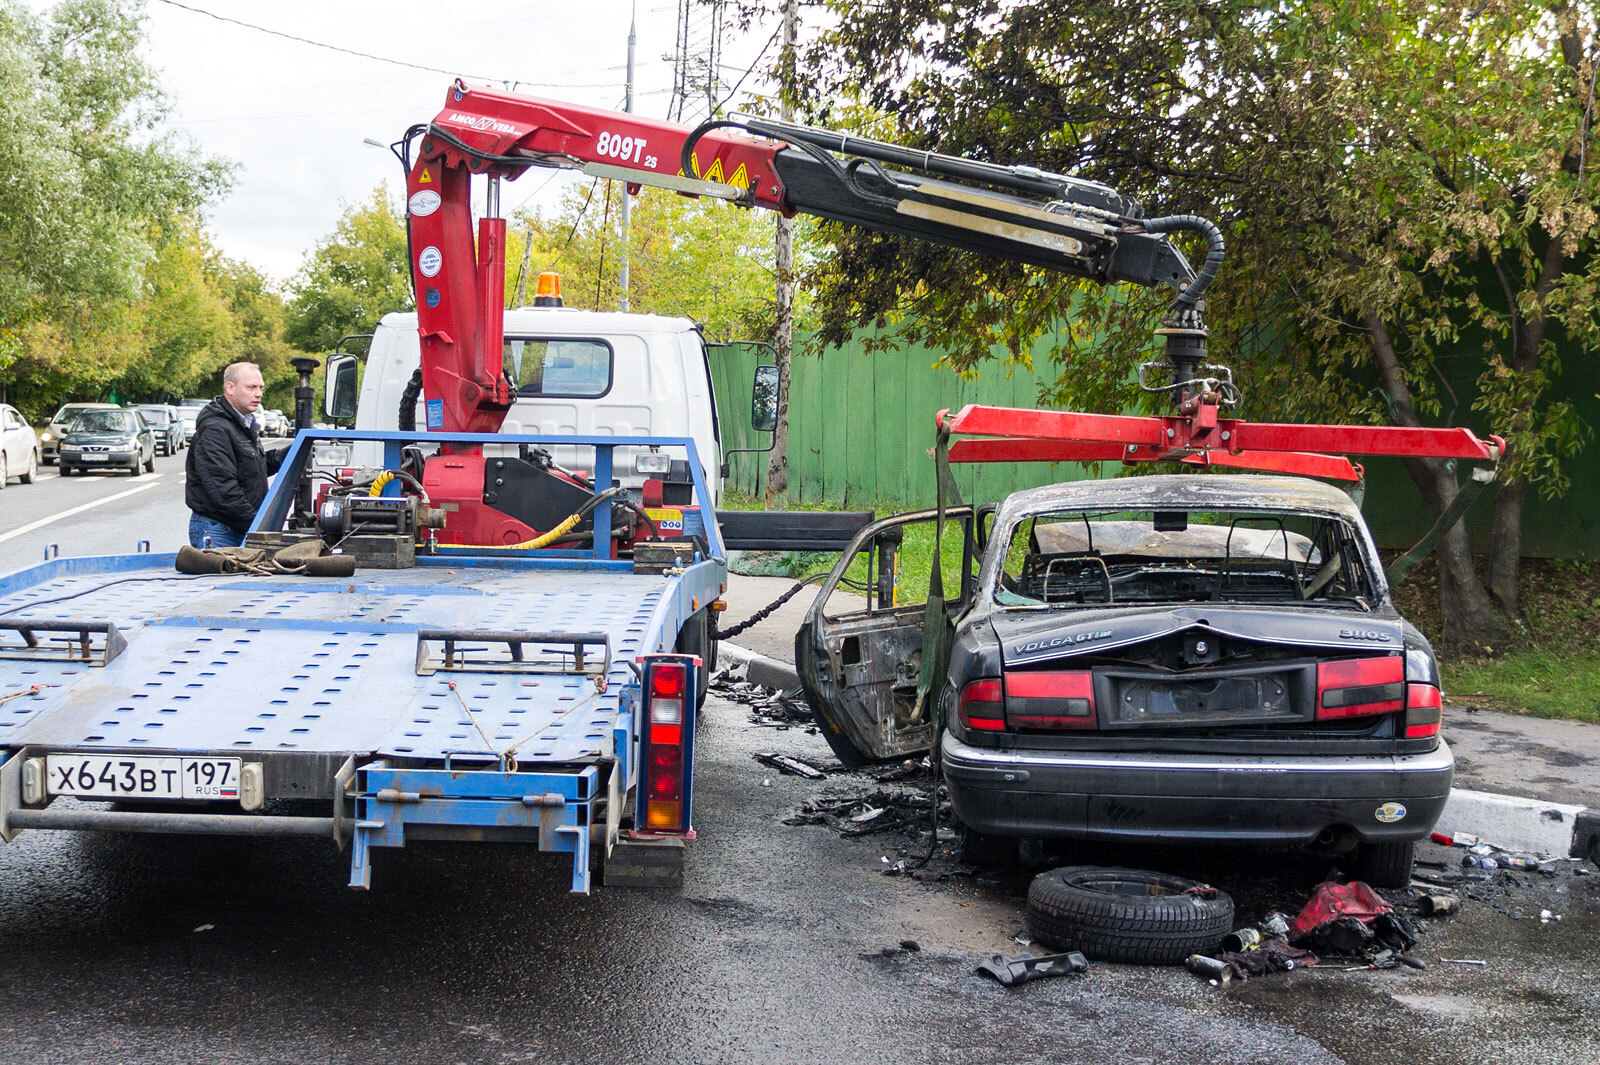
(1360,687)
(982,706)
(666,767)
(1424,710)
(1056,700)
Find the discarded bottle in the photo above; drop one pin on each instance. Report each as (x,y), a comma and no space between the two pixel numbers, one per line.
(1241,939)
(1210,968)
(1438,905)
(1530,864)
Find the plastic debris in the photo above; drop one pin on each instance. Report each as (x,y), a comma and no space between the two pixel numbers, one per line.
(1013,969)
(1275,926)
(785,763)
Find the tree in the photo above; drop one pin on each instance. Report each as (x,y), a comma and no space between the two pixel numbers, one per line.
(86,169)
(693,258)
(356,275)
(1400,181)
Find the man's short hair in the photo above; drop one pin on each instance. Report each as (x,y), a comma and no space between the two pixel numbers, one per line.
(235,371)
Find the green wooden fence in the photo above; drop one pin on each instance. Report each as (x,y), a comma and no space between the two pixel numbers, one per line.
(860,428)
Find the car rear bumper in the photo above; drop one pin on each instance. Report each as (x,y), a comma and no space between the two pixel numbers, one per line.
(1145,798)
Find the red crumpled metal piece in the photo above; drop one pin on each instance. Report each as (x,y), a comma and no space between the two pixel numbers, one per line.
(1331,901)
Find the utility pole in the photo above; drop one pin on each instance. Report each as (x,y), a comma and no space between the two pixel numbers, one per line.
(627,201)
(778,462)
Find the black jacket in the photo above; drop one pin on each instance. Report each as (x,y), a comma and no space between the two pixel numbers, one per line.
(227,470)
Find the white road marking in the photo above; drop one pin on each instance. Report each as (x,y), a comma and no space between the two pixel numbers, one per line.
(151,483)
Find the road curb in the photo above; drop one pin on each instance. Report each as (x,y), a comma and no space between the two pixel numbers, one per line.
(1520,824)
(759,669)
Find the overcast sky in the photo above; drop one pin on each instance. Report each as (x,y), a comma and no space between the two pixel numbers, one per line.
(293,116)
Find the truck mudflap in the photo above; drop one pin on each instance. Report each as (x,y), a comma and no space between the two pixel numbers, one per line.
(556,809)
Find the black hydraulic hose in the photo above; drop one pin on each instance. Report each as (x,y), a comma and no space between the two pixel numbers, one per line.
(1214,250)
(408,402)
(761,615)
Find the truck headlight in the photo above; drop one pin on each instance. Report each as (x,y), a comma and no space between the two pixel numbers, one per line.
(652,462)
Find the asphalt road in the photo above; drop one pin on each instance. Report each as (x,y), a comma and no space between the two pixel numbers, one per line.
(95,513)
(147,949)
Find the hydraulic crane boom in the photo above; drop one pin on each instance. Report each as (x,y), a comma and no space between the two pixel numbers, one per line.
(1048,220)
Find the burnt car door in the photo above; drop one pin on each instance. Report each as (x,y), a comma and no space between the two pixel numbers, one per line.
(859,651)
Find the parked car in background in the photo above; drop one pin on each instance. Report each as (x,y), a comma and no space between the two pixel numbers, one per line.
(275,422)
(50,438)
(164,421)
(108,439)
(19,446)
(1156,660)
(187,413)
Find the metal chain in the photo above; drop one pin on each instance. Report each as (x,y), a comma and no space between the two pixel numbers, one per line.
(766,611)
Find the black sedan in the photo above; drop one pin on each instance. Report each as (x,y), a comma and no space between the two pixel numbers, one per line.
(1160,660)
(108,439)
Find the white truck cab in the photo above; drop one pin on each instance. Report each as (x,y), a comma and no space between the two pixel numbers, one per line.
(581,373)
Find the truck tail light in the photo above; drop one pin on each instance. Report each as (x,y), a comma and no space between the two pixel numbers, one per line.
(982,706)
(666,765)
(1360,687)
(1424,710)
(1050,701)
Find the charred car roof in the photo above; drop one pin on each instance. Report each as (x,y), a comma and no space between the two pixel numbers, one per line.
(1255,491)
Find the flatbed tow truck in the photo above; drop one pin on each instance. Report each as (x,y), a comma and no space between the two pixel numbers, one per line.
(521,649)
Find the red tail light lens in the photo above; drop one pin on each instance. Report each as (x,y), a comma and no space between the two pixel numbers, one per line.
(982,706)
(1424,711)
(1050,701)
(665,769)
(1360,687)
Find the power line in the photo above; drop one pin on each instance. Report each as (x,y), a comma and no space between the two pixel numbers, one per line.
(375,58)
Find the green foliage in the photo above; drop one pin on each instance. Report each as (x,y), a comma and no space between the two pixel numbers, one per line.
(86,169)
(356,275)
(1417,165)
(689,257)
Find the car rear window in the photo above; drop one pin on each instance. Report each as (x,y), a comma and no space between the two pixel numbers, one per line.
(579,369)
(1101,557)
(158,418)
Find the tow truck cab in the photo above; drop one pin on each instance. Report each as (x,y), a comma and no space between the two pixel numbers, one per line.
(583,373)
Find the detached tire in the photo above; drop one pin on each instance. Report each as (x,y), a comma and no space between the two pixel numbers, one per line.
(1127,915)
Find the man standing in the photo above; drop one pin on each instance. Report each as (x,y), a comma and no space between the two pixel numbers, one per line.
(227,470)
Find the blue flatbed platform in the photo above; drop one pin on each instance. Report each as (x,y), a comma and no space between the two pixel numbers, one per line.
(477,695)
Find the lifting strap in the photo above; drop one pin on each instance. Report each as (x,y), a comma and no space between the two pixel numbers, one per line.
(938,632)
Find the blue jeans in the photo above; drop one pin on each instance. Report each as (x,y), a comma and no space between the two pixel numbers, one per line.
(221,535)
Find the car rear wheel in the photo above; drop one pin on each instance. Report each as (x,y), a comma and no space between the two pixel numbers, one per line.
(5,472)
(33,468)
(1128,915)
(1385,865)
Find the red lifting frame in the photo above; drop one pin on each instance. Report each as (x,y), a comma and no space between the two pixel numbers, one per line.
(1016,435)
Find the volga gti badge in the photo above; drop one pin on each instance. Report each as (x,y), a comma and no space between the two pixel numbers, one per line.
(1061,641)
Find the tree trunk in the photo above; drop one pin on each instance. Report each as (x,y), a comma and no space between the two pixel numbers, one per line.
(1505,550)
(778,462)
(1468,614)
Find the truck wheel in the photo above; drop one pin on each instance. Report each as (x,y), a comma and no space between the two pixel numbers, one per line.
(1127,914)
(1385,865)
(695,639)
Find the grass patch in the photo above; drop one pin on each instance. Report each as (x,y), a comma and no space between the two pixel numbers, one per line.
(1534,681)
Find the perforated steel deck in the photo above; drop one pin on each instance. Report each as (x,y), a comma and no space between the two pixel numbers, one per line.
(291,664)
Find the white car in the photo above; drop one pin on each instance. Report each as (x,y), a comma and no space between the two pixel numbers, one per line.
(187,414)
(19,447)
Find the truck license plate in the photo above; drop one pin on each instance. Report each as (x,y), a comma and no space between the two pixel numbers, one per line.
(95,776)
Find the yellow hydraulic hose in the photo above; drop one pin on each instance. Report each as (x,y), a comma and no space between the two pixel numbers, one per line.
(378,482)
(542,540)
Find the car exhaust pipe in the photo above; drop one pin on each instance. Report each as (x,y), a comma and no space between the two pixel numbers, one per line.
(1340,839)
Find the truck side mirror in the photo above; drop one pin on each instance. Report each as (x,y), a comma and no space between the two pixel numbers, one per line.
(339,397)
(764,399)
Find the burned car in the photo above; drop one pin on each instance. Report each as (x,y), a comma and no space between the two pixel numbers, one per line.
(1161,659)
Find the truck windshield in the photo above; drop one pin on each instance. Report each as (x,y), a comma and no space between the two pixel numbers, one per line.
(1083,558)
(567,368)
